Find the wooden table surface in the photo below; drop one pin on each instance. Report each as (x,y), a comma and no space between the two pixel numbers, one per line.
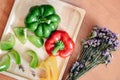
(104,13)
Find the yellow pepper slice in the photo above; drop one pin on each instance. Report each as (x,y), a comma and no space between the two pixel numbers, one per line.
(50,67)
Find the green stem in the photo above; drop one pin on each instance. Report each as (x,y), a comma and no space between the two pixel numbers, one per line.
(89,67)
(44,20)
(86,55)
(58,46)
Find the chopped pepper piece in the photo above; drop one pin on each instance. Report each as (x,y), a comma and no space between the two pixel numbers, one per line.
(20,34)
(15,56)
(49,69)
(4,63)
(46,75)
(59,43)
(34,61)
(8,43)
(37,41)
(42,20)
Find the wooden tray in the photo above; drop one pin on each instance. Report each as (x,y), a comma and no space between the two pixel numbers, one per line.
(71,19)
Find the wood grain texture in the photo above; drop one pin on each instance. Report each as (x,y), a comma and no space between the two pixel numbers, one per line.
(3,77)
(5,8)
(104,13)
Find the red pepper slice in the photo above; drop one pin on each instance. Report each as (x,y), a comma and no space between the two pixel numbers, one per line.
(59,43)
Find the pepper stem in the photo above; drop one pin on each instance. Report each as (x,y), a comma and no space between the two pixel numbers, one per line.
(44,20)
(59,45)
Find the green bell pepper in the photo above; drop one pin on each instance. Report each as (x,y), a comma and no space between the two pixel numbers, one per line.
(42,20)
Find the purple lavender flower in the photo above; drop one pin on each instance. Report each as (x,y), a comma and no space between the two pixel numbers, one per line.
(105,53)
(104,29)
(93,34)
(96,28)
(115,48)
(92,42)
(100,35)
(110,41)
(97,50)
(98,42)
(81,65)
(74,66)
(116,43)
(108,59)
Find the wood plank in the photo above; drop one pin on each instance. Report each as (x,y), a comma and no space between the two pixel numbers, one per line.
(3,77)
(5,8)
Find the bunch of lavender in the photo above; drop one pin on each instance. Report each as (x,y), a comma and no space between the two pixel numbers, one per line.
(95,50)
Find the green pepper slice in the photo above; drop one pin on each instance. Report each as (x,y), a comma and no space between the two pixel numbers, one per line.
(20,34)
(8,43)
(34,61)
(14,55)
(37,41)
(4,63)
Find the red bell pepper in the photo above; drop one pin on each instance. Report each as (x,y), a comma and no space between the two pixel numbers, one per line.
(59,43)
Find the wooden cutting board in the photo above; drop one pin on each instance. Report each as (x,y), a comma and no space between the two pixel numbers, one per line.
(71,20)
